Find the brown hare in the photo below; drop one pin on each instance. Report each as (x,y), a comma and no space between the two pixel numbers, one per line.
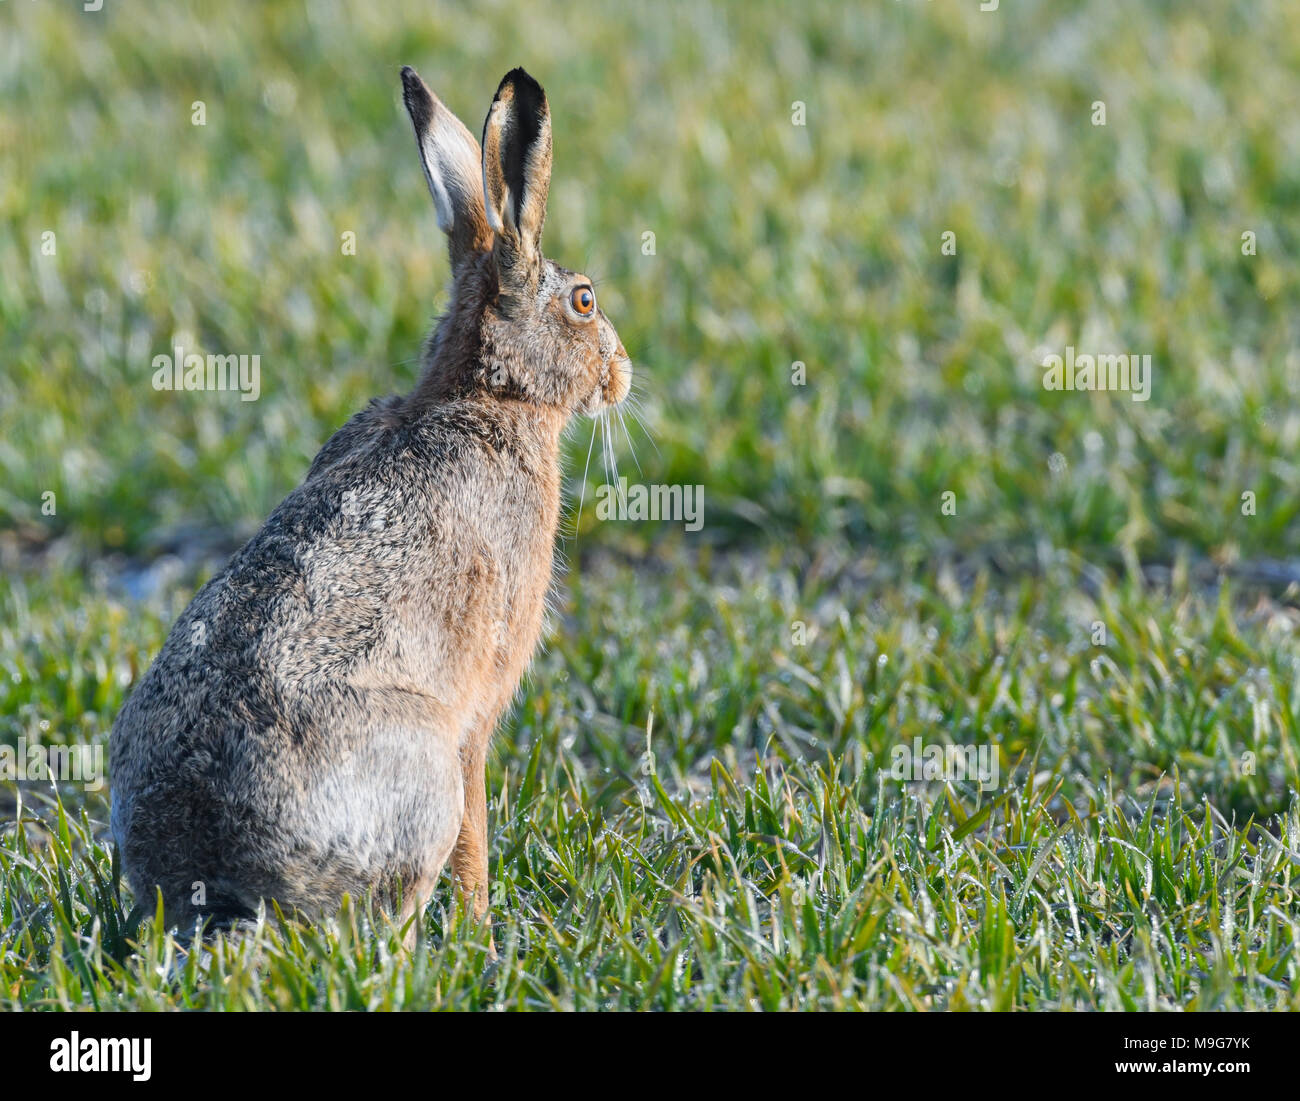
(317,721)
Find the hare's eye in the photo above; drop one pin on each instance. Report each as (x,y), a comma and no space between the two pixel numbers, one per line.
(582,300)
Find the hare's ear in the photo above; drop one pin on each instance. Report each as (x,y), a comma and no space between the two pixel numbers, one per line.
(450,157)
(517,173)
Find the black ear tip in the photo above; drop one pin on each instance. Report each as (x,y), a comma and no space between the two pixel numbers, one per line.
(411,82)
(414,94)
(523,84)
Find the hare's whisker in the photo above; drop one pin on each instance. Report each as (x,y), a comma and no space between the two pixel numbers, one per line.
(578,515)
(628,436)
(609,451)
(604,446)
(613,448)
(636,416)
(604,462)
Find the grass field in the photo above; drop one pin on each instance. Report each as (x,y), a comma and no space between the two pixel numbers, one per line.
(693,804)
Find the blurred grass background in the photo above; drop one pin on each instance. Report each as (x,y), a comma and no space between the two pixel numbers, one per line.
(774,243)
(743,855)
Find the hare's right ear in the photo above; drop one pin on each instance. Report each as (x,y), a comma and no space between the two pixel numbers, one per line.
(451,158)
(517,175)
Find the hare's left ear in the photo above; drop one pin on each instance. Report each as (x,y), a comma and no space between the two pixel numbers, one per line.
(517,173)
(450,158)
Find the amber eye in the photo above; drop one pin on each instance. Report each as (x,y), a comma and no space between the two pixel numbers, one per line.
(582,300)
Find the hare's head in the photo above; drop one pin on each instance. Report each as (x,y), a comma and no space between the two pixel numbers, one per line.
(518,324)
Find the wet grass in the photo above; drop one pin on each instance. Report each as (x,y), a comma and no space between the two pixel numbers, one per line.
(691,810)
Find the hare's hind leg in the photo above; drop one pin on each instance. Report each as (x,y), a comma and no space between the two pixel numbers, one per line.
(437,841)
(382,812)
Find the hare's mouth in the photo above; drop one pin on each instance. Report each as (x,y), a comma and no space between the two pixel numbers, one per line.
(611,388)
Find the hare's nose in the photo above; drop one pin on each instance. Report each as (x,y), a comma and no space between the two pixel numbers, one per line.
(620,352)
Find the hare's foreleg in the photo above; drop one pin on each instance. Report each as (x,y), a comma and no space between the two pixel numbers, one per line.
(469,859)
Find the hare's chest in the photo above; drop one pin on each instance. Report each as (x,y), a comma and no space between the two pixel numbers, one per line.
(523,611)
(522,562)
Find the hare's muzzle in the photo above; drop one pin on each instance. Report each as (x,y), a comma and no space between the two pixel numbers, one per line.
(619,380)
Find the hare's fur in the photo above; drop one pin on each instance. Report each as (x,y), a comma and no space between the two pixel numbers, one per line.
(317,721)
